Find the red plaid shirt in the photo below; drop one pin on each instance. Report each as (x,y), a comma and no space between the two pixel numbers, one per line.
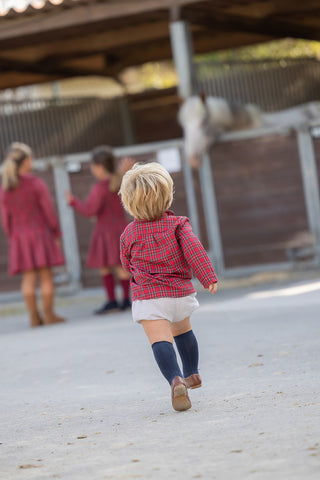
(162,256)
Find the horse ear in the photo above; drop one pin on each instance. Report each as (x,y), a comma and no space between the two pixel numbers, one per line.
(203,96)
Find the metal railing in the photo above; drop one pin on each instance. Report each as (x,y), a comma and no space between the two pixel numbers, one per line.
(310,187)
(273,84)
(63,126)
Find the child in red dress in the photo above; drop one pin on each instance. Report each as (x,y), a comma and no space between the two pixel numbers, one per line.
(161,253)
(31,225)
(103,203)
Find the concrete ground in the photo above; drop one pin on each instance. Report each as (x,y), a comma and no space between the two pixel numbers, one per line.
(85,401)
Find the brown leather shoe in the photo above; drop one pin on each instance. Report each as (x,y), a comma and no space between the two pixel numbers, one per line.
(193,381)
(180,398)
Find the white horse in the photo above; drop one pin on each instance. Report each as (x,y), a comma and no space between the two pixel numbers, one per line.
(204,120)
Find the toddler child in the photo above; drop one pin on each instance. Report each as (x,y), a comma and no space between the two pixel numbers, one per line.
(161,252)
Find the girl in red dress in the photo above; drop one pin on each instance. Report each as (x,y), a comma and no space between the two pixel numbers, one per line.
(104,203)
(31,225)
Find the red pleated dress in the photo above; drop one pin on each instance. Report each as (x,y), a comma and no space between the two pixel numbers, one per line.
(31,224)
(111,220)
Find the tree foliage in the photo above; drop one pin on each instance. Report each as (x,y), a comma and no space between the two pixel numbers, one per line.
(277,49)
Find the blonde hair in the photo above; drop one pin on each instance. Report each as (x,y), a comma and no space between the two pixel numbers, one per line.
(147,191)
(15,156)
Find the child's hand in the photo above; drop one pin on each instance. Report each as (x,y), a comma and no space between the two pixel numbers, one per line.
(213,288)
(59,243)
(68,196)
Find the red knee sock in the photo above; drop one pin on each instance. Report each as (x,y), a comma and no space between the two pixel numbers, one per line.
(125,284)
(109,285)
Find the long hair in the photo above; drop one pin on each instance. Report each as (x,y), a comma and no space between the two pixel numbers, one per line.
(14,157)
(104,156)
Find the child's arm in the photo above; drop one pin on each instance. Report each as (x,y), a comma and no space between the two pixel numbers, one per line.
(124,256)
(5,217)
(196,256)
(47,207)
(91,206)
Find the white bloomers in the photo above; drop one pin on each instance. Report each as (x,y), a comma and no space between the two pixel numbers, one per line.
(172,309)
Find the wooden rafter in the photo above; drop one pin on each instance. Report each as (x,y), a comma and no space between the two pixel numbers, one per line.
(275,26)
(83,17)
(104,37)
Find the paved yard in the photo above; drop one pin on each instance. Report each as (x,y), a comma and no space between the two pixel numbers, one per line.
(85,401)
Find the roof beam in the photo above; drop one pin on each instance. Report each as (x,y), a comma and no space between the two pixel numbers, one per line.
(272,7)
(90,44)
(16,79)
(203,42)
(272,26)
(53,69)
(15,31)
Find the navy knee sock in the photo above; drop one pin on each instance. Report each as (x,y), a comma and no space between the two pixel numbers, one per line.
(187,346)
(167,360)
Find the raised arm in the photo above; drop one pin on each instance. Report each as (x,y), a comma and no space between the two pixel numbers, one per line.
(91,206)
(47,207)
(195,255)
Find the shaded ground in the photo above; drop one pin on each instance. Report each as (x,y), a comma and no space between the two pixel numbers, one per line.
(85,400)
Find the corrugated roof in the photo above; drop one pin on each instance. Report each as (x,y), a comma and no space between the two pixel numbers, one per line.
(10,8)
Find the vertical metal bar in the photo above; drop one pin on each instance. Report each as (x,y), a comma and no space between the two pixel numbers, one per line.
(126,121)
(310,184)
(67,222)
(191,197)
(182,51)
(181,45)
(183,59)
(211,215)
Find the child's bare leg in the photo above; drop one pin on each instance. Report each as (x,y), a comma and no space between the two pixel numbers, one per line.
(28,288)
(161,339)
(179,328)
(105,271)
(187,346)
(124,278)
(157,330)
(47,293)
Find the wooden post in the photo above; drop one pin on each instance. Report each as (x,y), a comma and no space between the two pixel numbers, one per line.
(310,184)
(67,222)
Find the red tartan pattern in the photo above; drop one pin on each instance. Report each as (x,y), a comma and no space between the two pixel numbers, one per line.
(162,256)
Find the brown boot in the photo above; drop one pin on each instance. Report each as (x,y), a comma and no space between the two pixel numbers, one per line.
(35,318)
(49,315)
